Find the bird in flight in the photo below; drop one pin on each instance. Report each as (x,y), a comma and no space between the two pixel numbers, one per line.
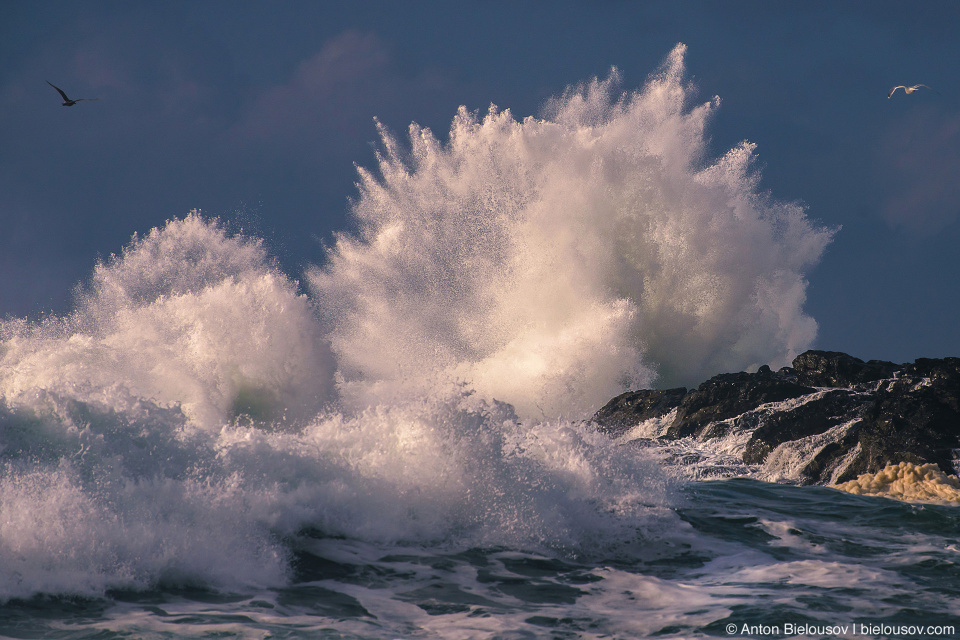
(67,102)
(907,90)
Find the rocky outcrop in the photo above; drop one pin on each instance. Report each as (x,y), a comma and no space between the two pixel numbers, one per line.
(847,417)
(836,369)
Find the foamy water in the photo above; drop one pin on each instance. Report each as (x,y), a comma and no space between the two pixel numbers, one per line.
(414,410)
(907,481)
(554,262)
(184,420)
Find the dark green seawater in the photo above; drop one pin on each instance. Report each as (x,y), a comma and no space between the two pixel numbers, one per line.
(739,558)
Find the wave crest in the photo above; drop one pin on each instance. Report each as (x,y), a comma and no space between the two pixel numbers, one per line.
(186,316)
(552,262)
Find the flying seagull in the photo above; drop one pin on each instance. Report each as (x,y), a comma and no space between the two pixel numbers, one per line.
(907,90)
(67,102)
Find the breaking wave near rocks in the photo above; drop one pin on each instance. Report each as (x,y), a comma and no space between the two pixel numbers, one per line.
(183,426)
(553,262)
(200,416)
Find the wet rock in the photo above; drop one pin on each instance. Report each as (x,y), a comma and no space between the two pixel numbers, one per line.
(819,415)
(836,369)
(915,418)
(846,416)
(730,395)
(630,409)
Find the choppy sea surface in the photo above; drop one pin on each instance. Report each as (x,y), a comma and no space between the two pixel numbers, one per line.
(760,559)
(398,445)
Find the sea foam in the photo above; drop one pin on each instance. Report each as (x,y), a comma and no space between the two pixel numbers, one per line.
(907,481)
(182,426)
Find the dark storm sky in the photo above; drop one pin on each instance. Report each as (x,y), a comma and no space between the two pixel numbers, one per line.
(257,111)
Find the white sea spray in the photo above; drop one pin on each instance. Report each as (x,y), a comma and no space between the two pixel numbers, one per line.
(197,412)
(553,262)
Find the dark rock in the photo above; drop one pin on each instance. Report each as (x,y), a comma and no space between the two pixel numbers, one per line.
(630,409)
(857,417)
(730,395)
(913,419)
(836,369)
(811,418)
(821,469)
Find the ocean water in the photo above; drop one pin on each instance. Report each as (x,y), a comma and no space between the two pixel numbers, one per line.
(398,444)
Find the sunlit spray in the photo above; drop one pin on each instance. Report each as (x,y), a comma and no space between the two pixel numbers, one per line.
(554,262)
(197,412)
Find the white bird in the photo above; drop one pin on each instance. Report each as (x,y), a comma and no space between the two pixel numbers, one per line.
(907,90)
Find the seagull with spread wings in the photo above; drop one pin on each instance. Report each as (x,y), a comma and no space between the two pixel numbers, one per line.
(67,102)
(907,90)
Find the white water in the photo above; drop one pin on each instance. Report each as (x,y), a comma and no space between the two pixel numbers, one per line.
(195,410)
(172,429)
(554,262)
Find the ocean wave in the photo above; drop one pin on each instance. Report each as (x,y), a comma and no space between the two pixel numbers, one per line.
(197,414)
(554,262)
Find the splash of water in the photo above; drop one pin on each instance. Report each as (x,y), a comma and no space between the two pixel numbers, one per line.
(552,262)
(180,427)
(193,414)
(110,417)
(186,316)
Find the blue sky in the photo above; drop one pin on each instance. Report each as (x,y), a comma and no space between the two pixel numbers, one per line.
(257,112)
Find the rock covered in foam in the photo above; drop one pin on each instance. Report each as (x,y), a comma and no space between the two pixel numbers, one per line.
(830,417)
(906,481)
